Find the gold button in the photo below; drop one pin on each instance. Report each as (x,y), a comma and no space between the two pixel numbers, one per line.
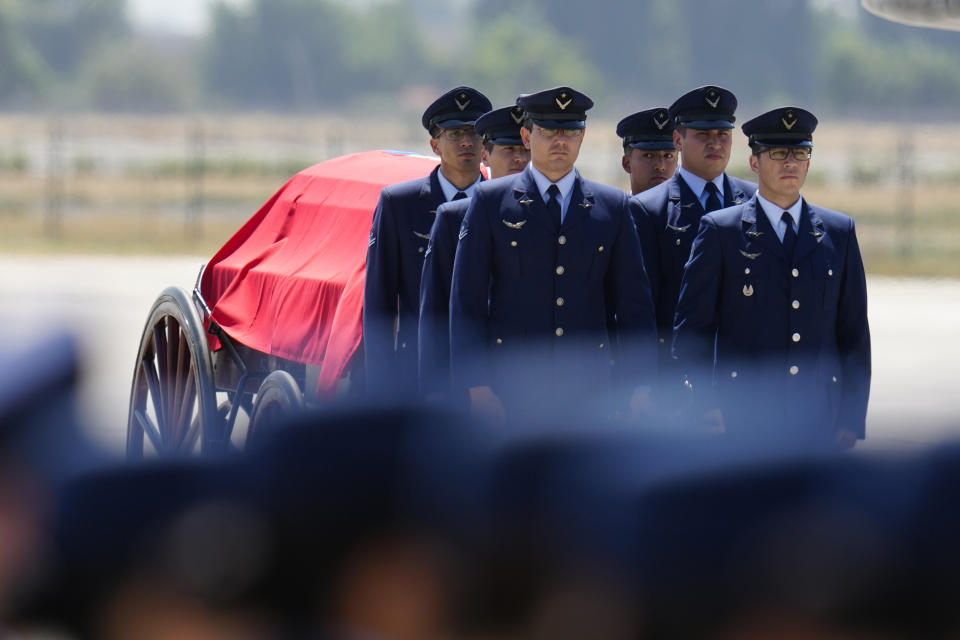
(559,331)
(562,240)
(403,345)
(678,242)
(513,243)
(733,374)
(834,378)
(796,337)
(499,340)
(560,302)
(560,271)
(662,340)
(601,345)
(795,304)
(795,273)
(794,370)
(746,271)
(829,272)
(420,250)
(600,248)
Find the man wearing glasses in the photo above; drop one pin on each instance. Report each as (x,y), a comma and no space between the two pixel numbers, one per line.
(545,260)
(504,154)
(771,325)
(398,241)
(668,215)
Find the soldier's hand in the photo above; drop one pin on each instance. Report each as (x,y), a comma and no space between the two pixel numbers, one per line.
(846,439)
(485,403)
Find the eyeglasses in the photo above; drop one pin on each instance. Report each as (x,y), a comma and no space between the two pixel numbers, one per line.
(552,133)
(456,135)
(800,154)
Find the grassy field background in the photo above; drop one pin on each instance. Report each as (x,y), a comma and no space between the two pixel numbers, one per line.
(134,185)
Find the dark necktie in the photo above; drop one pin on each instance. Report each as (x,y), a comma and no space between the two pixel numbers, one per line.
(460,195)
(790,237)
(713,200)
(553,206)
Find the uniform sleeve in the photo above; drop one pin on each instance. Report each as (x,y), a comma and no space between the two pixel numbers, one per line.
(434,327)
(629,289)
(647,232)
(380,299)
(853,340)
(695,319)
(469,295)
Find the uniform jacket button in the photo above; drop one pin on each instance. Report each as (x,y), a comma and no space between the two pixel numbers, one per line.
(795,304)
(733,374)
(560,302)
(794,370)
(499,340)
(562,240)
(795,273)
(513,243)
(795,337)
(559,331)
(560,270)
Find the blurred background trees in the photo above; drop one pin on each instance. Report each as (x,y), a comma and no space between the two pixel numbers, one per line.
(310,55)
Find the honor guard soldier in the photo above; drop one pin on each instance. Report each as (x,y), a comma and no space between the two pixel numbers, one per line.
(649,155)
(503,152)
(668,215)
(773,305)
(398,241)
(545,258)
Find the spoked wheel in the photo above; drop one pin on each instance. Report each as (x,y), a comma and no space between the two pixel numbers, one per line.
(173,398)
(278,398)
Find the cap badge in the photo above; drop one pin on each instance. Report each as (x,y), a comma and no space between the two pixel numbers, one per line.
(661,119)
(563,101)
(789,121)
(516,115)
(462,101)
(712,98)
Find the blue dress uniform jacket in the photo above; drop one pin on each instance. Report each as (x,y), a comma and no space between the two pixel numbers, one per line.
(521,284)
(435,282)
(787,342)
(667,218)
(391,295)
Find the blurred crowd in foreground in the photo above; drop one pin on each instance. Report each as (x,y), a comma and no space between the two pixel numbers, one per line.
(396,523)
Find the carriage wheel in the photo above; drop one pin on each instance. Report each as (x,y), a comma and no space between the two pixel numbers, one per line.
(278,398)
(173,398)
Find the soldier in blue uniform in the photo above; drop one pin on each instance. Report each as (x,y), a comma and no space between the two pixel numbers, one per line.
(668,215)
(398,241)
(773,305)
(504,153)
(545,258)
(649,155)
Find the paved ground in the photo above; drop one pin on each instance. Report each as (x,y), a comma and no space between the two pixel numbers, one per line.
(104,301)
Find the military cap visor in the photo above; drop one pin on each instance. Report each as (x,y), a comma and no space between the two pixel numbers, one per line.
(704,122)
(558,108)
(650,144)
(459,107)
(501,126)
(783,127)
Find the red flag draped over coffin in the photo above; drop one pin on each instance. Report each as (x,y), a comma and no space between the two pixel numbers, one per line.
(290,281)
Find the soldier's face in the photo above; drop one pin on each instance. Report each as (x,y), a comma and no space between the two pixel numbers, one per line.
(553,151)
(458,148)
(648,168)
(780,180)
(506,159)
(704,152)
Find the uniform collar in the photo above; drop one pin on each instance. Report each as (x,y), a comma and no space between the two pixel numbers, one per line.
(449,190)
(696,183)
(565,184)
(774,213)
